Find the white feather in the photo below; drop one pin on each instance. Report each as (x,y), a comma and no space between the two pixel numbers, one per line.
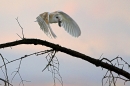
(67,23)
(45,27)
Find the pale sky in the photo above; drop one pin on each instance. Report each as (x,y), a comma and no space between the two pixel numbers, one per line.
(105,29)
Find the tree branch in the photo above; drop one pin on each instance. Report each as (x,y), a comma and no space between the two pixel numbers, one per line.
(56,47)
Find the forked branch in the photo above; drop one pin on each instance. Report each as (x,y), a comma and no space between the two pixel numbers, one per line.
(56,47)
(109,76)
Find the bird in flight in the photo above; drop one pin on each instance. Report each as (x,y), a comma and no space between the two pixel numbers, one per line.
(45,19)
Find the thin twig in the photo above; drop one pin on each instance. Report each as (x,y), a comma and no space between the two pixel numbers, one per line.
(5,82)
(36,53)
(109,74)
(17,72)
(21,28)
(53,67)
(5,68)
(49,62)
(19,36)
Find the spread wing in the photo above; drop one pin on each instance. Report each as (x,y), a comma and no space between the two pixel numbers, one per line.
(69,25)
(44,25)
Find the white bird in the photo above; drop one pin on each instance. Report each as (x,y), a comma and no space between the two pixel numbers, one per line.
(63,20)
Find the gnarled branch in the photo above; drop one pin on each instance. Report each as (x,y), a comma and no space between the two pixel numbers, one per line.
(56,47)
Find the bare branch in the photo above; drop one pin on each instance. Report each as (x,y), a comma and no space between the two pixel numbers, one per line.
(56,47)
(21,29)
(51,58)
(5,69)
(53,67)
(19,36)
(36,53)
(109,74)
(5,82)
(17,72)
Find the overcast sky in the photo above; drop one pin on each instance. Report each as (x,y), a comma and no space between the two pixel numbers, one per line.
(105,29)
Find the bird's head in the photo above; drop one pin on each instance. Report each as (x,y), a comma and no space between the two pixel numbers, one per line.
(57,18)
